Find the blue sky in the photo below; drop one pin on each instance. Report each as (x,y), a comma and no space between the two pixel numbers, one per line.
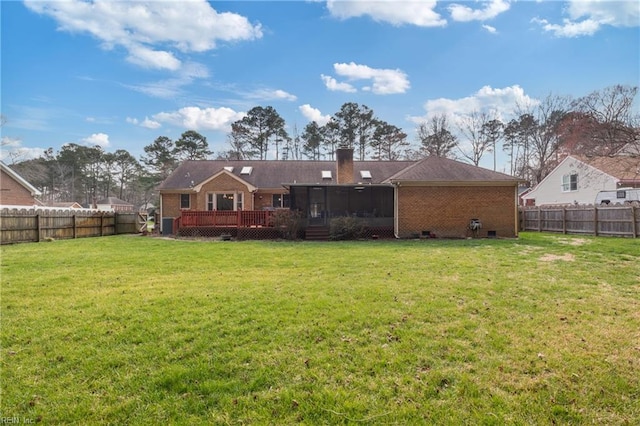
(119,74)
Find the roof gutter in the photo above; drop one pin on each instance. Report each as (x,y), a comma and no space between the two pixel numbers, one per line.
(456,183)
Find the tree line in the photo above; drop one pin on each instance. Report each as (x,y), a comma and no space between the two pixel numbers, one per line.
(535,140)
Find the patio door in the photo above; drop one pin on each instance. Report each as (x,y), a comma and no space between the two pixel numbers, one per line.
(224,201)
(317,206)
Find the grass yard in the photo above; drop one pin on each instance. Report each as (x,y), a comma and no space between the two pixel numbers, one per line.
(143,330)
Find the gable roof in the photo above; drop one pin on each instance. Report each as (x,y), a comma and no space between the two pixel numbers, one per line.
(35,192)
(444,170)
(273,174)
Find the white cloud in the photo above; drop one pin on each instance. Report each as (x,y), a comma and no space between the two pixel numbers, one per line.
(586,17)
(417,12)
(490,29)
(502,102)
(11,142)
(569,28)
(12,150)
(383,81)
(491,10)
(615,13)
(99,139)
(195,118)
(333,85)
(314,114)
(271,94)
(150,31)
(146,123)
(172,87)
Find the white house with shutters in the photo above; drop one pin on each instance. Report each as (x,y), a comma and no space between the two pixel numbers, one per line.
(577,180)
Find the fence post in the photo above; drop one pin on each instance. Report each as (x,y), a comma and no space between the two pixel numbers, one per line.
(539,219)
(101,224)
(75,226)
(595,221)
(634,227)
(38,229)
(564,220)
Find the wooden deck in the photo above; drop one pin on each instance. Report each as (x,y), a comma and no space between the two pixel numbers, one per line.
(223,218)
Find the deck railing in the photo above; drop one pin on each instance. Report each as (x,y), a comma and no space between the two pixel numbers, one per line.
(240,218)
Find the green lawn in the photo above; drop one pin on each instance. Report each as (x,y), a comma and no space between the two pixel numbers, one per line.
(143,330)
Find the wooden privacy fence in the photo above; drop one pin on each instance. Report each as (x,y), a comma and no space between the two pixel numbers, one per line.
(34,225)
(622,221)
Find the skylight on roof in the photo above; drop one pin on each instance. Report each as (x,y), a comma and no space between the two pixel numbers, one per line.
(246,170)
(229,169)
(326,174)
(365,174)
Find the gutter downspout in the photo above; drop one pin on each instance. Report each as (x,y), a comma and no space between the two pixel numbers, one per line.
(517,212)
(161,215)
(395,209)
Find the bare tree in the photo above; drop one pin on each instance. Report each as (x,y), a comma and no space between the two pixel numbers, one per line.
(472,128)
(435,137)
(608,120)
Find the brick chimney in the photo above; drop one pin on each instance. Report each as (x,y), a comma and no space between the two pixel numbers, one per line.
(344,165)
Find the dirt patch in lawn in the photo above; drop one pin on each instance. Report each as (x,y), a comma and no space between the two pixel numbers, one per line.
(574,241)
(567,257)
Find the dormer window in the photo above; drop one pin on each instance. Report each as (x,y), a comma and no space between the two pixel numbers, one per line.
(229,169)
(365,174)
(326,174)
(246,170)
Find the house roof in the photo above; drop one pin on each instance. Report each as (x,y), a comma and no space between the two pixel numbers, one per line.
(8,170)
(624,168)
(113,201)
(273,174)
(439,169)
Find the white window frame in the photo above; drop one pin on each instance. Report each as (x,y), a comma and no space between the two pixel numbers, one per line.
(567,184)
(212,200)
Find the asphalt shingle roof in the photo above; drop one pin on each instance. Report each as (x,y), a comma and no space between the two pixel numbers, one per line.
(274,174)
(624,168)
(439,169)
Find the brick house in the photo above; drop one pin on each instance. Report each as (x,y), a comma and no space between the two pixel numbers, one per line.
(433,196)
(15,190)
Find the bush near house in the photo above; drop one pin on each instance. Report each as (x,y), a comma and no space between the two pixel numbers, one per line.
(346,228)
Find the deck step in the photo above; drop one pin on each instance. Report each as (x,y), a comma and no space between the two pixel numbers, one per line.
(317,233)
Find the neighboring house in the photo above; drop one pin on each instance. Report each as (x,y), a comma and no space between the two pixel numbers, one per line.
(577,180)
(434,196)
(114,204)
(15,190)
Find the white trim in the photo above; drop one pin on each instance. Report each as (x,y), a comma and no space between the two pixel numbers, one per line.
(199,186)
(35,192)
(236,196)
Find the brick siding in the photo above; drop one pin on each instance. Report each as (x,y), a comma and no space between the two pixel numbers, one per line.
(13,193)
(447,210)
(223,183)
